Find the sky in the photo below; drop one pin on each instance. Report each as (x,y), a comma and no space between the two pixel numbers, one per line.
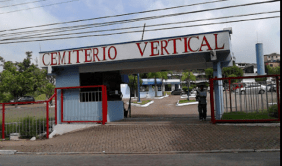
(243,39)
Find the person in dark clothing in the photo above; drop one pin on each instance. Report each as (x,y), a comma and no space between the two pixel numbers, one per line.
(202,98)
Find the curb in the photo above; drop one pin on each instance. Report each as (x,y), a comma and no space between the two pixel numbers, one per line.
(8,152)
(183,104)
(136,153)
(139,105)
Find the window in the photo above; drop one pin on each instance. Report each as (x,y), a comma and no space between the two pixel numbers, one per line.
(271,65)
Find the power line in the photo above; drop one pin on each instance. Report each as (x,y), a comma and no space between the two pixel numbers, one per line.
(119,15)
(21,4)
(39,6)
(141,30)
(146,18)
(134,27)
(5,0)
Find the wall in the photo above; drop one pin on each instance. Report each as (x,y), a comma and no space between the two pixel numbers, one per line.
(67,77)
(74,110)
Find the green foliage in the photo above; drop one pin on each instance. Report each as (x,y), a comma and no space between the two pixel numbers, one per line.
(186,101)
(133,82)
(48,90)
(40,97)
(21,78)
(209,73)
(188,76)
(185,88)
(272,70)
(246,116)
(261,79)
(28,127)
(273,111)
(5,97)
(232,71)
(143,102)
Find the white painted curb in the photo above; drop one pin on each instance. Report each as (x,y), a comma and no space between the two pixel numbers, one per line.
(8,152)
(183,104)
(185,96)
(139,105)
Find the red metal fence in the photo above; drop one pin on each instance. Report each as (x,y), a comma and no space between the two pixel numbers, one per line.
(81,98)
(29,119)
(247,99)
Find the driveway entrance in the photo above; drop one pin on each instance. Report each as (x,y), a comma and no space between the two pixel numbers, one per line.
(165,110)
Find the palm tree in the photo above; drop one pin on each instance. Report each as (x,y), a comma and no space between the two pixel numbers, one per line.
(155,75)
(188,76)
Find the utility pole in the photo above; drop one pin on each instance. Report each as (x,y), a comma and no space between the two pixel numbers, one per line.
(138,83)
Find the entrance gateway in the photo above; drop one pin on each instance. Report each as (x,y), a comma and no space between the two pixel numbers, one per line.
(107,65)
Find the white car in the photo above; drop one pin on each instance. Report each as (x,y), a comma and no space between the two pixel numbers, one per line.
(252,89)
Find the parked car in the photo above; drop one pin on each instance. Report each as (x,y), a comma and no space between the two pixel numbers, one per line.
(25,99)
(177,92)
(235,86)
(271,88)
(252,89)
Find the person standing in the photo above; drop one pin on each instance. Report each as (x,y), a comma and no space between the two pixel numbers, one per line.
(202,106)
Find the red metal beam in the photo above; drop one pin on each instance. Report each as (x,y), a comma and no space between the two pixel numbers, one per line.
(56,118)
(3,121)
(62,103)
(47,119)
(277,93)
(104,104)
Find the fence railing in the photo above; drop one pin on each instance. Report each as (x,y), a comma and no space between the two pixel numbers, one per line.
(246,99)
(29,119)
(91,96)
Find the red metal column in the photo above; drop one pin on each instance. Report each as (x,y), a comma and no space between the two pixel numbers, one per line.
(229,82)
(104,104)
(277,93)
(47,119)
(56,120)
(3,121)
(212,101)
(62,103)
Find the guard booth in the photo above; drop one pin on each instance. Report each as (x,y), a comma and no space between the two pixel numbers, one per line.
(104,67)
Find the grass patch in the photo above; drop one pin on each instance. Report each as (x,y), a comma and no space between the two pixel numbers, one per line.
(143,102)
(271,113)
(168,93)
(245,116)
(186,101)
(40,97)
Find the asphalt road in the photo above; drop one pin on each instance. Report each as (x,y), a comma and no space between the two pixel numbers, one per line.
(218,159)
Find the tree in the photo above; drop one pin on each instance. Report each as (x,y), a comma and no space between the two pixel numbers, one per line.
(209,73)
(21,78)
(273,70)
(133,82)
(155,76)
(188,76)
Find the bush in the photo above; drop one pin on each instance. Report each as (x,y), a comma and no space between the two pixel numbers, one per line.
(28,127)
(31,126)
(185,88)
(273,111)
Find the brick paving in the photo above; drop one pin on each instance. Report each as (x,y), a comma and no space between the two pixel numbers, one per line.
(161,127)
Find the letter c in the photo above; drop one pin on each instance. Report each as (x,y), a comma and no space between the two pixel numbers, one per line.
(44,61)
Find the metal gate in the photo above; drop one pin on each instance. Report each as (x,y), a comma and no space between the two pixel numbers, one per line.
(83,104)
(246,99)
